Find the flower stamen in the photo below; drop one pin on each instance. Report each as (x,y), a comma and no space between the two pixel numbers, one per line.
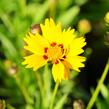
(55,52)
(53,44)
(45,50)
(61,45)
(45,57)
(56,62)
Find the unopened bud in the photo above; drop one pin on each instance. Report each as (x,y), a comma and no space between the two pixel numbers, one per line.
(11,67)
(36,28)
(2,104)
(78,104)
(13,70)
(107,38)
(84,26)
(106,18)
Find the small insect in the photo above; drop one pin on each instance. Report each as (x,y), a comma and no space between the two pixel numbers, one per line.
(35,28)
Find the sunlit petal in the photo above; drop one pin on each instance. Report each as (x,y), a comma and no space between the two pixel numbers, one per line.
(51,31)
(76,62)
(35,43)
(34,61)
(76,46)
(58,71)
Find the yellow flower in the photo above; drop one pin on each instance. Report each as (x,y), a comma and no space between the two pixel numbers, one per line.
(106,18)
(84,26)
(62,48)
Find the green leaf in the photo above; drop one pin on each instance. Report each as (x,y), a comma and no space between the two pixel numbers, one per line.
(7,22)
(67,17)
(8,46)
(65,4)
(38,11)
(81,2)
(28,106)
(100,104)
(7,6)
(104,91)
(47,85)
(61,102)
(9,106)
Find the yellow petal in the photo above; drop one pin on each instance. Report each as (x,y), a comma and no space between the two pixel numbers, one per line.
(51,31)
(58,71)
(67,66)
(76,62)
(76,46)
(67,36)
(35,43)
(34,61)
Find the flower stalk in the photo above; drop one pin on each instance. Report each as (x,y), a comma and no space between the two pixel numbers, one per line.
(27,98)
(54,95)
(52,10)
(97,90)
(40,85)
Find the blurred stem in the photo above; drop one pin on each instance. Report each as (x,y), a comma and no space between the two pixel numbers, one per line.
(40,84)
(7,23)
(54,95)
(47,86)
(9,106)
(24,91)
(22,5)
(97,90)
(52,10)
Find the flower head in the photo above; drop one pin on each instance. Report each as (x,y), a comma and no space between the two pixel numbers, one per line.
(62,48)
(84,26)
(106,18)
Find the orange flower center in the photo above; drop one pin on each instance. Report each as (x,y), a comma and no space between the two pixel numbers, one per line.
(55,52)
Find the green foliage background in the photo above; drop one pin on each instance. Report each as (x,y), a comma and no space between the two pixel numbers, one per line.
(32,90)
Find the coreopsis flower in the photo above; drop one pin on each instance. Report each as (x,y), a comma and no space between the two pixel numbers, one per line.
(106,18)
(61,48)
(84,26)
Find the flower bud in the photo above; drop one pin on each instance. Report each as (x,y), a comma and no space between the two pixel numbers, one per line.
(78,104)
(2,104)
(36,28)
(84,26)
(106,18)
(11,67)
(107,38)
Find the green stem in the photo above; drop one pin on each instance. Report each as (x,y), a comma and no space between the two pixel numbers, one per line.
(97,90)
(40,84)
(24,91)
(22,5)
(52,10)
(6,20)
(9,106)
(54,95)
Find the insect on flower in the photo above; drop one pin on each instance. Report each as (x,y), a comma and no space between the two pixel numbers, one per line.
(62,48)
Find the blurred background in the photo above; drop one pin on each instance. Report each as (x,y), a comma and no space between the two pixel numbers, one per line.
(20,88)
